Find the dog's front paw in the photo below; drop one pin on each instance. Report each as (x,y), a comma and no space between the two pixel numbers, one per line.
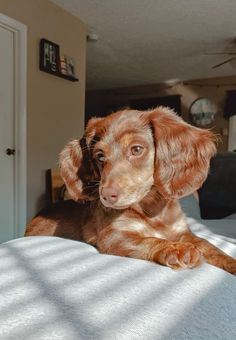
(179,256)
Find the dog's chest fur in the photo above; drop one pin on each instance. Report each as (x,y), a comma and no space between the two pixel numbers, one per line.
(165,222)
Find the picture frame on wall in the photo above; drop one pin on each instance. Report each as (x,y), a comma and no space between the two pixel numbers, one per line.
(49,57)
(70,63)
(50,61)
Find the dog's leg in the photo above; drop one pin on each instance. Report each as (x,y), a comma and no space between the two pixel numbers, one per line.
(176,255)
(212,254)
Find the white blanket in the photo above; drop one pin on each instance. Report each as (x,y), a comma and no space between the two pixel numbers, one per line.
(52,288)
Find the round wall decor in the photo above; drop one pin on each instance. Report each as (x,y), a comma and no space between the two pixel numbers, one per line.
(202,112)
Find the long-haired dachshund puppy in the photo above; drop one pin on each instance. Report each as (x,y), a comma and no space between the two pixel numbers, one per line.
(125,177)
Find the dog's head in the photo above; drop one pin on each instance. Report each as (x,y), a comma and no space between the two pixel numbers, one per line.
(126,154)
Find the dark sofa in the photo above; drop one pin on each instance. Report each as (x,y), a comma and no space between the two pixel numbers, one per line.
(217,197)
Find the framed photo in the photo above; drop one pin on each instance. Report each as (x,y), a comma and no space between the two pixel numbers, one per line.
(70,64)
(49,56)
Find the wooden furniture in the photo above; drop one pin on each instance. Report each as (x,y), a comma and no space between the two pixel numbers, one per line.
(56,187)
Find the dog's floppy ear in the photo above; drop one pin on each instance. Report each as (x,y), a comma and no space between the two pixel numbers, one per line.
(78,170)
(183,153)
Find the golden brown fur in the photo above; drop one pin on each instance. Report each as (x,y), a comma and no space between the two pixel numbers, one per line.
(127,174)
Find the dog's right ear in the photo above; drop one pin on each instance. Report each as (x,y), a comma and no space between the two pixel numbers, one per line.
(77,168)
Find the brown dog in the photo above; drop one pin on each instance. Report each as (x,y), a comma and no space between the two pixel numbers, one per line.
(127,173)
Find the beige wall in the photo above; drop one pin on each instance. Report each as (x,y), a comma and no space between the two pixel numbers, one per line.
(55,107)
(215,89)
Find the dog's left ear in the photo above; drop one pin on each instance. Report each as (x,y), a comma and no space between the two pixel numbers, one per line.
(183,153)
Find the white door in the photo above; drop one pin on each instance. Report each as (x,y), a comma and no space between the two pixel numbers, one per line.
(13,75)
(7,157)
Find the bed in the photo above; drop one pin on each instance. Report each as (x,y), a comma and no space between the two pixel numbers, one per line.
(53,288)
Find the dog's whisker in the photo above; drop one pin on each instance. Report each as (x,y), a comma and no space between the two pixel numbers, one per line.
(90,186)
(85,148)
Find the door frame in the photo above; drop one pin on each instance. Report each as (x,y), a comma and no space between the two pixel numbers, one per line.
(20,115)
(232,133)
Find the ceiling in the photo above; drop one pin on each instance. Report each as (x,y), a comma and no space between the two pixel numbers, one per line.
(154,41)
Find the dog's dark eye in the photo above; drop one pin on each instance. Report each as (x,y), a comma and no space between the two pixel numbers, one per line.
(137,150)
(100,157)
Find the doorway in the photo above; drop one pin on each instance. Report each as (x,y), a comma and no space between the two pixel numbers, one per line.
(13,68)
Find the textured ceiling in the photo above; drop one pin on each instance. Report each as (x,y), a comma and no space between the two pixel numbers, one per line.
(152,41)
